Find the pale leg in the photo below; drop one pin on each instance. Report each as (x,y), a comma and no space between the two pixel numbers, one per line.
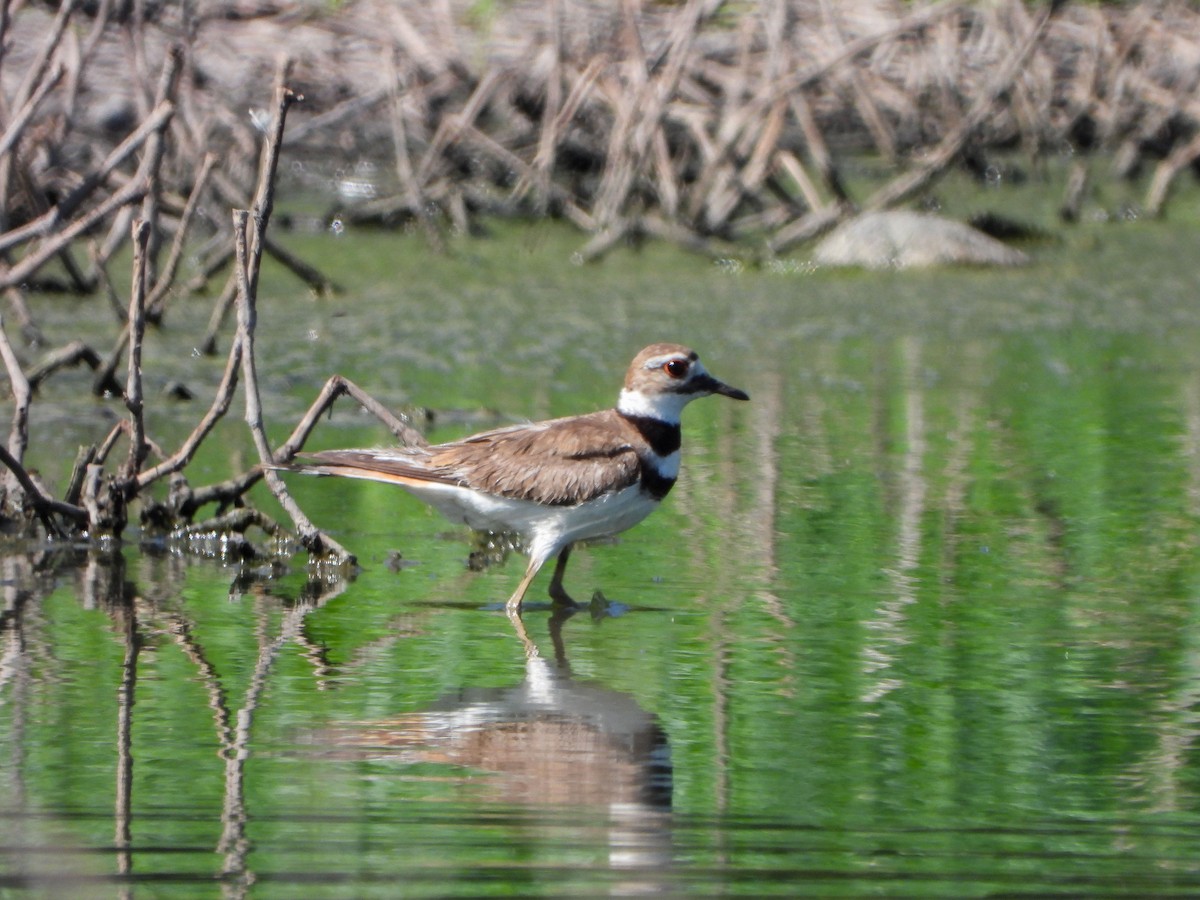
(513,606)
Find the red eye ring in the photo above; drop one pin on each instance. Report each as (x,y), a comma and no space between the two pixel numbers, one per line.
(676,368)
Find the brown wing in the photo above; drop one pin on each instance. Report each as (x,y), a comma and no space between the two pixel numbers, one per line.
(560,462)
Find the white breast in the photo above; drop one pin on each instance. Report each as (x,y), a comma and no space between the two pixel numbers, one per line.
(667,466)
(544,529)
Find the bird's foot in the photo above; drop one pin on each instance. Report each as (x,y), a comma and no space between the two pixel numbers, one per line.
(562,600)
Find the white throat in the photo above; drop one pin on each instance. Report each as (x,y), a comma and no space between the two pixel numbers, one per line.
(663,407)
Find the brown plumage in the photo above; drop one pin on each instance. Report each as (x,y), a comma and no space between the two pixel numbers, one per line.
(559,462)
(556,482)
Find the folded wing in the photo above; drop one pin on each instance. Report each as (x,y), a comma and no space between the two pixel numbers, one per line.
(558,463)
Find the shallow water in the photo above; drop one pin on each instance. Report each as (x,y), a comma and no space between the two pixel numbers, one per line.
(919,620)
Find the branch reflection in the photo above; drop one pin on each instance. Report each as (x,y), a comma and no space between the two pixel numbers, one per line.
(549,746)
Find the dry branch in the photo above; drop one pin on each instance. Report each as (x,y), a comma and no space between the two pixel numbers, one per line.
(18,122)
(630,120)
(336,387)
(952,145)
(1180,158)
(606,114)
(18,436)
(71,354)
(248,260)
(55,219)
(216,411)
(132,193)
(157,299)
(137,329)
(41,505)
(233,490)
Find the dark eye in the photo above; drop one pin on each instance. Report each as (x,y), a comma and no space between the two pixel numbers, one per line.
(676,368)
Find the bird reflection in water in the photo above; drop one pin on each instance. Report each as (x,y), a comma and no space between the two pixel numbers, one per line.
(549,741)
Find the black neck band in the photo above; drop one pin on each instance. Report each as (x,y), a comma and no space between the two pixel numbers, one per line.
(663,437)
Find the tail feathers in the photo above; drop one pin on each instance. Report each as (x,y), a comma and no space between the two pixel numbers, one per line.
(306,469)
(342,471)
(365,465)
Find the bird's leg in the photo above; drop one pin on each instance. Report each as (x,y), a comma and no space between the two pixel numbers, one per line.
(531,650)
(557,592)
(513,606)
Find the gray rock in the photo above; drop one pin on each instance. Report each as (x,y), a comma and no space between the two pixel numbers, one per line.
(900,239)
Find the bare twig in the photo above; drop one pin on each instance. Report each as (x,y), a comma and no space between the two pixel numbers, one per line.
(1182,156)
(231,490)
(18,122)
(84,458)
(12,455)
(939,160)
(248,256)
(810,225)
(310,275)
(18,436)
(235,520)
(218,408)
(156,148)
(336,387)
(42,505)
(71,354)
(157,300)
(885,142)
(110,441)
(935,164)
(310,536)
(37,71)
(105,383)
(55,218)
(20,308)
(404,166)
(35,259)
(137,329)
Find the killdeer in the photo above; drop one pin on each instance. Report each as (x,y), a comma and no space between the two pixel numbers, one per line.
(556,482)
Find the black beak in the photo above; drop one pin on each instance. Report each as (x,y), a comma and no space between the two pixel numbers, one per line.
(727,391)
(710,385)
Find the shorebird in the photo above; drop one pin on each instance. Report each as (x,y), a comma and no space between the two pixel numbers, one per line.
(557,482)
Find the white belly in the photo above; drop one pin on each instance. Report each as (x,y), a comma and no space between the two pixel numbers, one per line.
(544,529)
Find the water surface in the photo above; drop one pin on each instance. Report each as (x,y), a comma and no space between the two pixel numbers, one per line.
(919,620)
